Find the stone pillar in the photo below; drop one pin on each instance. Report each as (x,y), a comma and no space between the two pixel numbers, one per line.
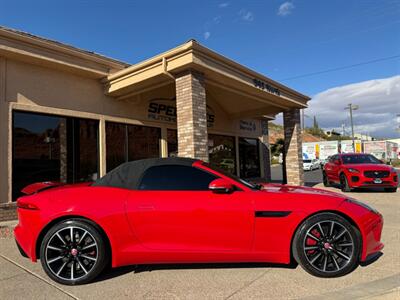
(292,155)
(265,151)
(191,115)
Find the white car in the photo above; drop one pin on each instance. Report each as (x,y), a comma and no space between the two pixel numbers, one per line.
(310,164)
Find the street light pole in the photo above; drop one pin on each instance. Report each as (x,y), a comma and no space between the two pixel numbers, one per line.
(352,107)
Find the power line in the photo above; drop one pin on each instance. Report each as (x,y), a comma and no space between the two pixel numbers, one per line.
(341,68)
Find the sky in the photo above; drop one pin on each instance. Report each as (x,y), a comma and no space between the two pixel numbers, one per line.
(336,52)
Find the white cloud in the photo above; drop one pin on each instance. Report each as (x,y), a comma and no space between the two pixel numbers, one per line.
(378,100)
(223,4)
(246,15)
(285,9)
(207,35)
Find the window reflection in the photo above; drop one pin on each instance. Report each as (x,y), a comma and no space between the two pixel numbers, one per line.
(53,148)
(172,141)
(249,158)
(222,153)
(126,142)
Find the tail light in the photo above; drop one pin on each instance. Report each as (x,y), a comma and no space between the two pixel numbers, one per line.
(26,205)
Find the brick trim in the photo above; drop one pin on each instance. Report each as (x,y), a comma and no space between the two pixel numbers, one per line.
(8,212)
(191,115)
(293,156)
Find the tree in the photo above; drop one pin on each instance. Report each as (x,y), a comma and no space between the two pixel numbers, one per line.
(315,126)
(277,148)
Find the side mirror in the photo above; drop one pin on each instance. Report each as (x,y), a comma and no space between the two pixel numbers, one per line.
(337,162)
(221,186)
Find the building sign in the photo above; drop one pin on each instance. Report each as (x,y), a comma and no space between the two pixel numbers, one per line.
(266,87)
(164,110)
(247,125)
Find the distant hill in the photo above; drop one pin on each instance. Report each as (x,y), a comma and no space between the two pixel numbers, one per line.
(276,132)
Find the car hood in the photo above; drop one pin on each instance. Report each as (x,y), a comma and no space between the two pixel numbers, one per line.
(371,167)
(284,188)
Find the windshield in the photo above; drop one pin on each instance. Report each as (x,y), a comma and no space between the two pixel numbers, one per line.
(360,159)
(233,177)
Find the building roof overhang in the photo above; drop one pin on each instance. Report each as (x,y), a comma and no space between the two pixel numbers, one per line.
(22,46)
(220,73)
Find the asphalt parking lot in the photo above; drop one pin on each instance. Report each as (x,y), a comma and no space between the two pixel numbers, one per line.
(21,279)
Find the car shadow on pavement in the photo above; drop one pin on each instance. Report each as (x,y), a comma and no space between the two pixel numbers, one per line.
(364,190)
(110,273)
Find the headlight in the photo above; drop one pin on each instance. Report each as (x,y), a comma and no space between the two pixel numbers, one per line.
(351,170)
(366,206)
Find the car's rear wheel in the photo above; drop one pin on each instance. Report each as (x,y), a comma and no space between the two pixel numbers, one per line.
(327,245)
(325,179)
(391,190)
(344,184)
(73,252)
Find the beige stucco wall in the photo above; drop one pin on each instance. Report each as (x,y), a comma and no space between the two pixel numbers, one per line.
(41,89)
(5,162)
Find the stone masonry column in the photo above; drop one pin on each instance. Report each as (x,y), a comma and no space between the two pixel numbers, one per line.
(292,155)
(191,113)
(265,151)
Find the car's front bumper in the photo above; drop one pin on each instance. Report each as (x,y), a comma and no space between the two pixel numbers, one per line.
(370,225)
(360,181)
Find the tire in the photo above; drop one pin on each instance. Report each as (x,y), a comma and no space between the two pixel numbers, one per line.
(337,251)
(344,185)
(76,262)
(391,190)
(325,180)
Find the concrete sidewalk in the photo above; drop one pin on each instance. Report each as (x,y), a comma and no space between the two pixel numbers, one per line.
(21,279)
(7,229)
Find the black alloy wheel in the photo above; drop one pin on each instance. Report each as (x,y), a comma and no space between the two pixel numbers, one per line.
(325,179)
(344,185)
(327,245)
(73,252)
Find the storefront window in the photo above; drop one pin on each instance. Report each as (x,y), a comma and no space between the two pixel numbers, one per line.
(172,141)
(222,152)
(130,142)
(249,158)
(53,148)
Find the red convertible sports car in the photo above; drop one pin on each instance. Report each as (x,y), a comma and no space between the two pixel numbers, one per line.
(359,170)
(177,210)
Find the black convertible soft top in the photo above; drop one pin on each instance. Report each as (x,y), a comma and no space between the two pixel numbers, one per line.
(129,174)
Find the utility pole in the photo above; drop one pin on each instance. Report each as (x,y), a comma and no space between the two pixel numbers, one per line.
(398,123)
(352,107)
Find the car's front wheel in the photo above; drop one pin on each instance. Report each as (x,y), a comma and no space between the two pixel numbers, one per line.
(73,252)
(344,184)
(327,245)
(325,179)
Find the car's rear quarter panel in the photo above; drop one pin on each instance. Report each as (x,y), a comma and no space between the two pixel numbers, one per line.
(104,206)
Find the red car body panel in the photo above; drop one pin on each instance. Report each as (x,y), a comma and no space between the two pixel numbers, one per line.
(188,226)
(360,180)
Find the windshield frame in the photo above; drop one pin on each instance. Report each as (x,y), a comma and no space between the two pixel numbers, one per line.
(373,159)
(232,176)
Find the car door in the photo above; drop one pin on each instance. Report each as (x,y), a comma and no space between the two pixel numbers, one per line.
(174,210)
(335,168)
(329,168)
